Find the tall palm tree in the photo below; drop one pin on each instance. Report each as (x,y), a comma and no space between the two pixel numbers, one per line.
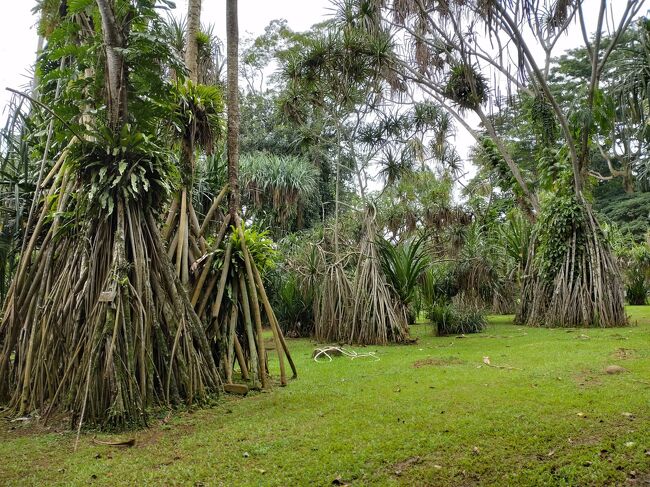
(232,49)
(192,40)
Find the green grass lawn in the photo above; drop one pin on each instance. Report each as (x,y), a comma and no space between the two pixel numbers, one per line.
(426,414)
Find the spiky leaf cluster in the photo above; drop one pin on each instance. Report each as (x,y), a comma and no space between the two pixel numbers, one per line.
(199,110)
(466,87)
(131,166)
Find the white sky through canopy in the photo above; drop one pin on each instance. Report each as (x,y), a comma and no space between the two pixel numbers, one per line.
(18,37)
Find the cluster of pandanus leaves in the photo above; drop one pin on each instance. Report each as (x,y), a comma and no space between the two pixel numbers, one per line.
(279,184)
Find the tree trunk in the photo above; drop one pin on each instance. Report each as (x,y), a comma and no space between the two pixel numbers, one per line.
(116,71)
(187,158)
(232,29)
(191,39)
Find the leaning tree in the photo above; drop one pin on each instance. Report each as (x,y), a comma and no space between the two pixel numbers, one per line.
(572,278)
(96,324)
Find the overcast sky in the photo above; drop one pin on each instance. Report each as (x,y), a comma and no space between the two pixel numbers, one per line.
(18,38)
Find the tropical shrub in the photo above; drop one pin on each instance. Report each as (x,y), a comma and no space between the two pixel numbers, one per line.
(261,247)
(636,265)
(279,188)
(437,285)
(403,264)
(294,282)
(447,310)
(451,319)
(294,308)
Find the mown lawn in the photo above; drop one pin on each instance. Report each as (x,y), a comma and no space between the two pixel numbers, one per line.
(426,414)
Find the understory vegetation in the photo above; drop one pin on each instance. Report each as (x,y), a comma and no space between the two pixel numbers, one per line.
(427,414)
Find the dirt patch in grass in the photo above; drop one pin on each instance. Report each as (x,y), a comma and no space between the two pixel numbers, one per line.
(437,362)
(150,437)
(174,431)
(399,468)
(170,461)
(636,478)
(588,378)
(183,429)
(21,429)
(585,440)
(624,353)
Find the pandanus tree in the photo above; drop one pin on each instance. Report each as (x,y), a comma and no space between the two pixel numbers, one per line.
(197,125)
(277,189)
(229,295)
(624,84)
(16,184)
(572,278)
(95,323)
(631,88)
(339,78)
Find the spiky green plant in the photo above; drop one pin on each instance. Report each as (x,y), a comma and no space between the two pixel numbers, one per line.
(635,259)
(293,306)
(451,319)
(467,87)
(279,186)
(403,264)
(17,180)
